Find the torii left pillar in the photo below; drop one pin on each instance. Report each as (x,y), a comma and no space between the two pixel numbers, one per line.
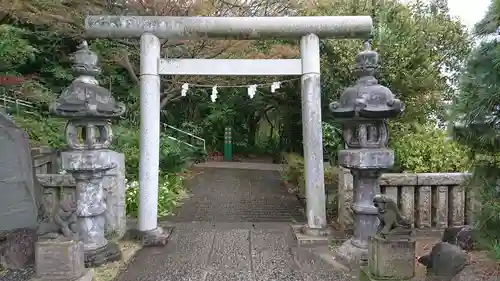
(152,29)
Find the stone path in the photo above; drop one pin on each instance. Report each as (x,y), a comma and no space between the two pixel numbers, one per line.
(237,195)
(235,227)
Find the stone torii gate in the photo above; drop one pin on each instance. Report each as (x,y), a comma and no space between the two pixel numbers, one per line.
(151,29)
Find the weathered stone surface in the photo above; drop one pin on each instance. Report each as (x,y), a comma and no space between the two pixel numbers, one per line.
(109,253)
(17,250)
(471,204)
(424,208)
(59,259)
(391,259)
(423,198)
(457,212)
(440,202)
(21,200)
(462,236)
(366,158)
(19,207)
(56,180)
(156,237)
(442,178)
(113,183)
(345,196)
(408,204)
(304,239)
(87,276)
(445,261)
(398,179)
(114,186)
(88,167)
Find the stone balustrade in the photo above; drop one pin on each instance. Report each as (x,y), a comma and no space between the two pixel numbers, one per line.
(429,200)
(45,160)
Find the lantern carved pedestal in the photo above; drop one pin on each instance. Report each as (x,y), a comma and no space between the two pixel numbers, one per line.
(362,111)
(89,108)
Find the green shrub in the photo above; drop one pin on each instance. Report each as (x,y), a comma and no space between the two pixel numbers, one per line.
(173,156)
(424,149)
(293,168)
(293,172)
(170,191)
(173,159)
(332,141)
(42,131)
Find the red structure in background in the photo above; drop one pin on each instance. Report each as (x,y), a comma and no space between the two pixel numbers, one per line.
(14,80)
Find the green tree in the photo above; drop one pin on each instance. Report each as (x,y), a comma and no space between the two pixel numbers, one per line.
(476,111)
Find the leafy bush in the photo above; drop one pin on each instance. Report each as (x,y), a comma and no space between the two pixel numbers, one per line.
(332,141)
(293,172)
(42,131)
(173,159)
(293,168)
(426,148)
(170,191)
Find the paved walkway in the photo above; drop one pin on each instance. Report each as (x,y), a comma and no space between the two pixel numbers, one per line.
(234,227)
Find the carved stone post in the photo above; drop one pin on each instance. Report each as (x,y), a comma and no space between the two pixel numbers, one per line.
(89,108)
(362,111)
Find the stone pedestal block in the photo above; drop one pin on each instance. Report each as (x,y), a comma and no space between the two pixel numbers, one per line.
(109,253)
(113,183)
(381,158)
(345,199)
(60,259)
(391,259)
(155,237)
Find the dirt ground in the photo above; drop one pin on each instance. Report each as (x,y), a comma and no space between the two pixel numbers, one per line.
(482,267)
(109,271)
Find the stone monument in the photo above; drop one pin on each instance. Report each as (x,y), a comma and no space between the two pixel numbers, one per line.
(362,110)
(89,109)
(445,262)
(59,251)
(391,251)
(21,201)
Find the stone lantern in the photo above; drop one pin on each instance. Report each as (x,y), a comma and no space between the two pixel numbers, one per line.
(363,110)
(89,109)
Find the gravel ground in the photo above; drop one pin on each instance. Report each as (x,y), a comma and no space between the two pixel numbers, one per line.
(482,268)
(24,274)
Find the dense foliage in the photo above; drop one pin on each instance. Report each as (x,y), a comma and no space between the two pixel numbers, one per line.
(415,41)
(477,113)
(426,148)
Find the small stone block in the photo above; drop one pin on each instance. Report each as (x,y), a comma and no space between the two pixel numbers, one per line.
(59,259)
(391,259)
(365,275)
(110,253)
(88,274)
(307,240)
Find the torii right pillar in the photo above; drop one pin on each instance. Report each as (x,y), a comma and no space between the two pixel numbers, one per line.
(363,111)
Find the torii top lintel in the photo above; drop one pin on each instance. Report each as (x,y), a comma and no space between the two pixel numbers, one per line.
(228,27)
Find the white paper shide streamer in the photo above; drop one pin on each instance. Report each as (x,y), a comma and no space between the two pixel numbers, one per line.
(275,86)
(252,90)
(185,88)
(213,97)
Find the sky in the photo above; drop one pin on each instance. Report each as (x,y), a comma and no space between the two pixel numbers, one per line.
(469,11)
